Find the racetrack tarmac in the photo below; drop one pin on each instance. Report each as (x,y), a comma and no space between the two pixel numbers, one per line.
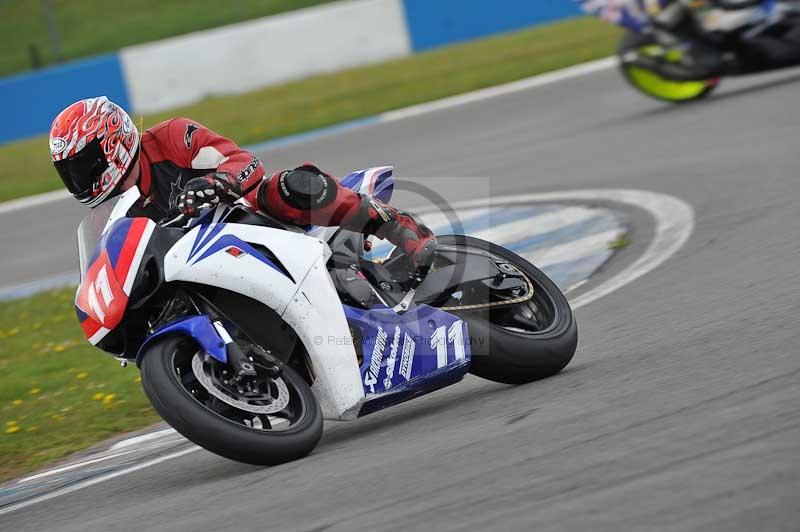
(681,409)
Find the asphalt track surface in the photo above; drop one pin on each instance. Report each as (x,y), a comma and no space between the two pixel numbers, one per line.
(681,409)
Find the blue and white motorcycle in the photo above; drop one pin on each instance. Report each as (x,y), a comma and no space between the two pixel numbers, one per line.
(249,332)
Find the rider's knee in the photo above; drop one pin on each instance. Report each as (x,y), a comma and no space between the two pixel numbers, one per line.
(307,188)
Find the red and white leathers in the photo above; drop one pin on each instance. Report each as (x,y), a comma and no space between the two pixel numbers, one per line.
(175,152)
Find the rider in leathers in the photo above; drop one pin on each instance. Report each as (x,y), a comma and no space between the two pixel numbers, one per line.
(181,164)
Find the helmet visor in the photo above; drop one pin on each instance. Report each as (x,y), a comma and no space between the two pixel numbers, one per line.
(81,171)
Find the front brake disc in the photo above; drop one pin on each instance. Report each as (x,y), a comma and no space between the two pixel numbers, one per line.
(207,381)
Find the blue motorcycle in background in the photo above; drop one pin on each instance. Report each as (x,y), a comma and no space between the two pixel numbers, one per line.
(677,50)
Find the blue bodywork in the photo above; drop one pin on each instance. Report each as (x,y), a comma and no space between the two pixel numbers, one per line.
(408,355)
(405,355)
(384,184)
(197,327)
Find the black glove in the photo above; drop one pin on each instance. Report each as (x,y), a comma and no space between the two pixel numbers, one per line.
(207,191)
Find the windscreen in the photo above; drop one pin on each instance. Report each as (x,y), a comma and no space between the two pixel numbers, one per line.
(92,227)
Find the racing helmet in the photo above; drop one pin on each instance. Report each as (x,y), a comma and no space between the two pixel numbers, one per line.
(94,147)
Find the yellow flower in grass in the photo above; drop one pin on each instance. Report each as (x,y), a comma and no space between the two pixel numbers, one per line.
(82,375)
(98,396)
(138,379)
(17,402)
(108,399)
(11,423)
(34,391)
(59,348)
(12,429)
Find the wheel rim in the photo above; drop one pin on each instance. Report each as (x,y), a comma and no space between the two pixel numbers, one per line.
(263,403)
(535,316)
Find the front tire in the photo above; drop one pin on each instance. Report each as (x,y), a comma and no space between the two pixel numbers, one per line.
(512,355)
(176,397)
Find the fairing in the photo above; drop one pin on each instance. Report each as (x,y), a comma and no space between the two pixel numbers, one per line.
(106,284)
(403,355)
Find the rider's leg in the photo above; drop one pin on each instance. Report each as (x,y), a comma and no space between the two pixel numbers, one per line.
(676,24)
(307,195)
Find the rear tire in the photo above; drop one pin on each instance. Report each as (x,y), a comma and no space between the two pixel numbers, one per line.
(219,434)
(507,356)
(651,84)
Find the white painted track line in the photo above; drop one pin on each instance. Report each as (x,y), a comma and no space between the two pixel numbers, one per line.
(97,480)
(33,201)
(674,220)
(539,80)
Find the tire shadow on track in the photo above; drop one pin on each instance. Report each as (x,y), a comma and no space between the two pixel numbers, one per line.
(713,99)
(436,404)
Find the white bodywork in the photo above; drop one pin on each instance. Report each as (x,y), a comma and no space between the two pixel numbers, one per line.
(311,306)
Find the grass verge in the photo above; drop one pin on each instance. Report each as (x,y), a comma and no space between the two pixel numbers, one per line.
(329,99)
(85,27)
(58,394)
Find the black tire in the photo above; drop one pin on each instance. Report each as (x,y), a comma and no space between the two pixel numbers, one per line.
(511,357)
(633,40)
(215,432)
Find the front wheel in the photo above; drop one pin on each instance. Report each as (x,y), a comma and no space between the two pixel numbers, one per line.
(651,83)
(268,419)
(519,342)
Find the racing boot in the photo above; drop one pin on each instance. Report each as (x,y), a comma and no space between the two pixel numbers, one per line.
(403,230)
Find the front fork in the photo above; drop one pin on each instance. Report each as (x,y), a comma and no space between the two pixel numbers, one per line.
(241,364)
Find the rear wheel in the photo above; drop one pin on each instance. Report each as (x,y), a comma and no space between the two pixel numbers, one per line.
(520,342)
(651,83)
(267,419)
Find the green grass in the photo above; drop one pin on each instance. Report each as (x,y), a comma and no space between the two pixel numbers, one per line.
(89,27)
(324,100)
(58,394)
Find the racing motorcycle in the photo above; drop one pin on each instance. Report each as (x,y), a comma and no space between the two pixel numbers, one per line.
(248,332)
(727,38)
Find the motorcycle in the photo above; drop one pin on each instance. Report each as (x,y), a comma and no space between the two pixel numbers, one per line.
(716,39)
(248,332)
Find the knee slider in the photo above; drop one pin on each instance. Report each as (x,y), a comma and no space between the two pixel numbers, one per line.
(306,188)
